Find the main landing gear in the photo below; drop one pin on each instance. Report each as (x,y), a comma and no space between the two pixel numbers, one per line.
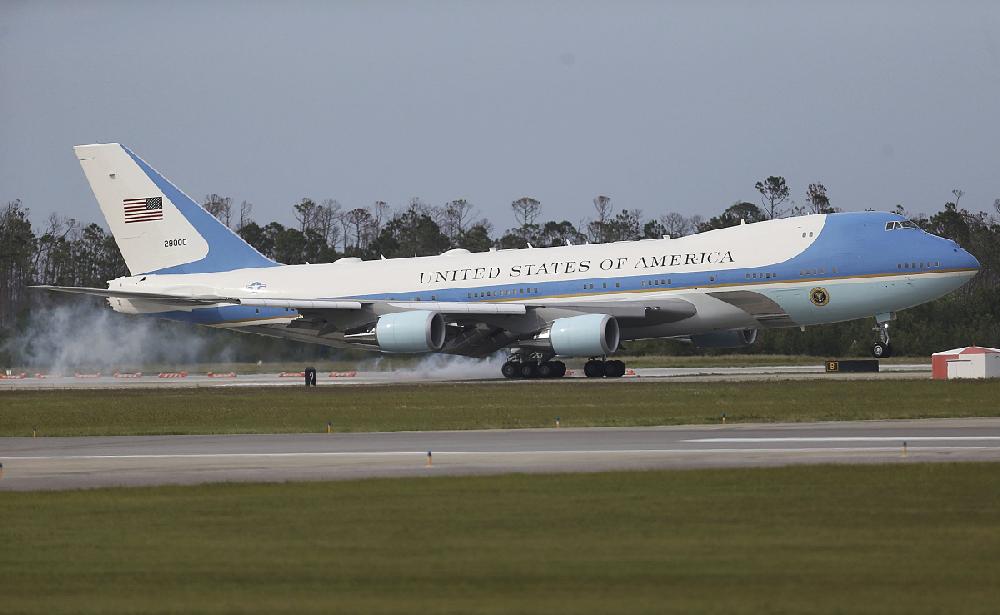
(599,368)
(881,349)
(532,366)
(536,365)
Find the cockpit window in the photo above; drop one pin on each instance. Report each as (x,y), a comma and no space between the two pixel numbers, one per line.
(899,224)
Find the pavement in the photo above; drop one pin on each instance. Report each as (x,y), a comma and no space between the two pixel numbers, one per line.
(484,371)
(86,462)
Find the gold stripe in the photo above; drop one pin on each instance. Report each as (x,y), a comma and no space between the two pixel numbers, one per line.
(731,284)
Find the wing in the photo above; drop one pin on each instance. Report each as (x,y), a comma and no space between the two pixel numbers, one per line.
(475,329)
(198,298)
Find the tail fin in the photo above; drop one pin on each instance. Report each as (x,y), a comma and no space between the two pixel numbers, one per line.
(158,228)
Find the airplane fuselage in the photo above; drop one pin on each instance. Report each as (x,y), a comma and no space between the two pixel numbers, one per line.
(789,272)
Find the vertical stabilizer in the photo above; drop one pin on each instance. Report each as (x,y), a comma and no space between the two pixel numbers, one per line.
(158,228)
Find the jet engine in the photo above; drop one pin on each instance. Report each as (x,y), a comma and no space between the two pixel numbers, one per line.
(725,339)
(589,335)
(417,331)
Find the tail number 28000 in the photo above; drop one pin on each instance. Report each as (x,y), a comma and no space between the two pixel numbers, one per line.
(173,243)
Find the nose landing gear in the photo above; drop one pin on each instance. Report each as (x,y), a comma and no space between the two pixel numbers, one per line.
(882,349)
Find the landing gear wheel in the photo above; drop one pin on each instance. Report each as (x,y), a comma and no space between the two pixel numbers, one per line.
(558,369)
(545,370)
(614,369)
(511,369)
(881,350)
(594,369)
(529,369)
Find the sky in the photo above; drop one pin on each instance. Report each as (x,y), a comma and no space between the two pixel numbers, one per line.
(663,106)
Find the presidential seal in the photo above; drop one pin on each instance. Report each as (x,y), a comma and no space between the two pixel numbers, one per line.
(819,296)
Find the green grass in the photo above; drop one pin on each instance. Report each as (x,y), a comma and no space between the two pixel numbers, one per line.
(482,406)
(919,538)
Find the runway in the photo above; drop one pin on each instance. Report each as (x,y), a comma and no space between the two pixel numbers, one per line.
(467,372)
(85,462)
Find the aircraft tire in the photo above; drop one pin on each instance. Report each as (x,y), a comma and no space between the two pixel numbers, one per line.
(529,369)
(614,369)
(594,369)
(558,369)
(510,369)
(881,350)
(545,370)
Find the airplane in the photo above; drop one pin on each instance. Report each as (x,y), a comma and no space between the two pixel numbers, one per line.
(715,289)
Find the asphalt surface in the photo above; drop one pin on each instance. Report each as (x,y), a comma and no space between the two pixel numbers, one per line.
(484,372)
(84,462)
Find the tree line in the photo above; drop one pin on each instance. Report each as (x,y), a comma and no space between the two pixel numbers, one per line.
(67,252)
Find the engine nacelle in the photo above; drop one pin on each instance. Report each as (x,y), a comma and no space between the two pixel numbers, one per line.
(418,331)
(725,339)
(589,335)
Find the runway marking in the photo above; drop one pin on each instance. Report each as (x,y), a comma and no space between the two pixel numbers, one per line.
(848,439)
(423,453)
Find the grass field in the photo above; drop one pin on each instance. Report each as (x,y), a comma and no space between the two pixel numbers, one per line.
(919,538)
(482,406)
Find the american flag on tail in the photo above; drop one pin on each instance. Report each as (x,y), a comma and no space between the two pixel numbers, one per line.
(143,210)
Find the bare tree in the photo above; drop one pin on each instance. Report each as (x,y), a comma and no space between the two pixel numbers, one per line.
(958,195)
(599,226)
(245,210)
(996,205)
(219,206)
(359,220)
(675,225)
(526,210)
(325,220)
(773,192)
(380,213)
(455,218)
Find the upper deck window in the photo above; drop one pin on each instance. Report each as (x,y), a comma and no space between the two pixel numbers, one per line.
(900,224)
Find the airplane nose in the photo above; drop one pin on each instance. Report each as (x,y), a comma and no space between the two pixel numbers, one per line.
(972,262)
(965,260)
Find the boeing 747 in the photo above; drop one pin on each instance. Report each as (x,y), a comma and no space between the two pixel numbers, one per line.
(714,289)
